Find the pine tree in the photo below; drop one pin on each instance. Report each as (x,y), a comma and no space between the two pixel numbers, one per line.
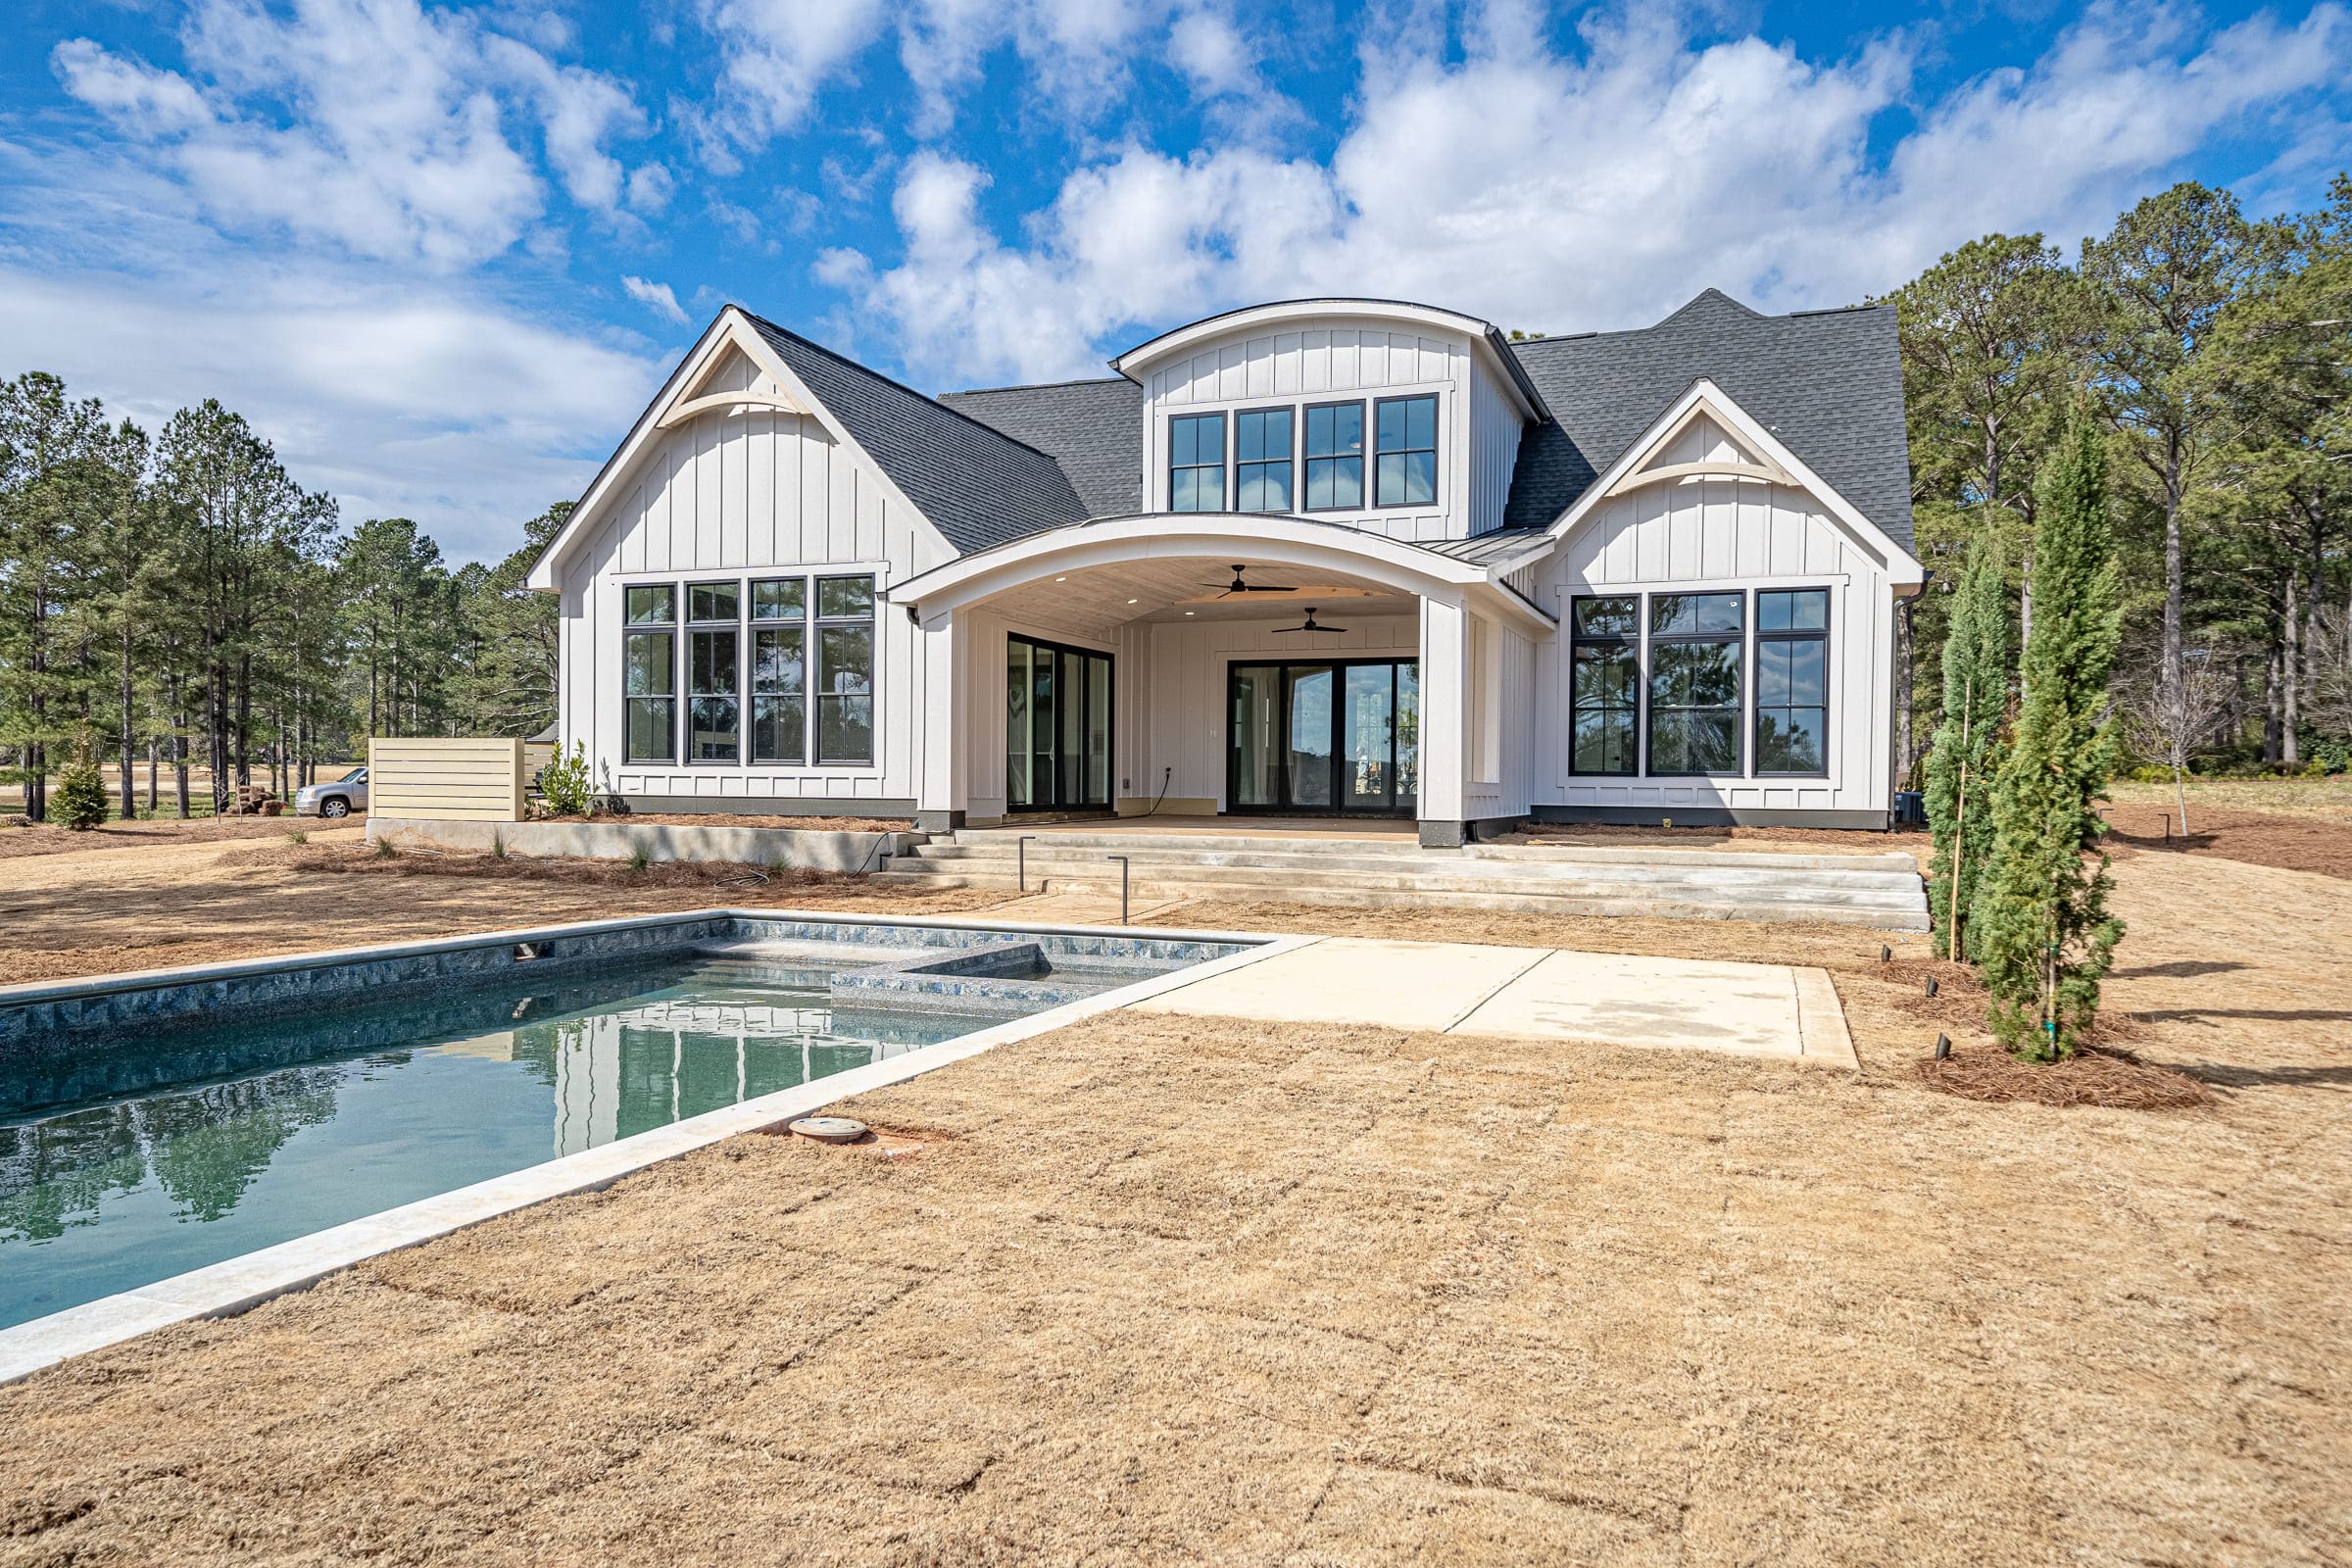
(1966,752)
(2042,931)
(80,800)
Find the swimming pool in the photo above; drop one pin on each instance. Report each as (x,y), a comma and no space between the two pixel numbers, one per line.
(156,1137)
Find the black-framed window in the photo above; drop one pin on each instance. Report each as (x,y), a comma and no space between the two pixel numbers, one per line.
(1406,449)
(844,669)
(780,670)
(1605,684)
(714,665)
(1261,459)
(1696,684)
(1334,457)
(1196,462)
(1792,681)
(648,681)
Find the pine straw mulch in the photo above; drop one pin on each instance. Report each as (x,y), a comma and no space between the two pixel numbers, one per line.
(2104,1074)
(2097,1075)
(731,876)
(2256,838)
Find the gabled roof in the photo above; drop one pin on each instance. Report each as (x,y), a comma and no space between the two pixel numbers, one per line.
(1829,384)
(978,485)
(1093,429)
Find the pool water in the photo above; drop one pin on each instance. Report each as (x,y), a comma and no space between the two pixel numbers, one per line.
(134,1162)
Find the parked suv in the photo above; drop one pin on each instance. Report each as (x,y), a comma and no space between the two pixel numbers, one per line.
(336,797)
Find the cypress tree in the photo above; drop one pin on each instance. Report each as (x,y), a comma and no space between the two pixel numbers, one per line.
(2042,931)
(1966,752)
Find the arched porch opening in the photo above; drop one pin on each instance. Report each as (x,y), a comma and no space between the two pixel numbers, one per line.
(1116,668)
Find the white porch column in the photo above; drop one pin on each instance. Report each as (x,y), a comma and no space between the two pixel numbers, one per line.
(1445,720)
(943,786)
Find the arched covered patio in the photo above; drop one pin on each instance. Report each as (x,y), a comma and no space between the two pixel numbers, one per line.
(1111,667)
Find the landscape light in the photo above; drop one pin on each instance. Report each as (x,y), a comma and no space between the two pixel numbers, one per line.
(1931,985)
(1944,1047)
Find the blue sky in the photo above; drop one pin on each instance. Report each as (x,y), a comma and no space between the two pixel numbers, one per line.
(442,253)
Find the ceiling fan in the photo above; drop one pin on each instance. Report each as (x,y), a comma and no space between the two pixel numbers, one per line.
(1308,626)
(1240,587)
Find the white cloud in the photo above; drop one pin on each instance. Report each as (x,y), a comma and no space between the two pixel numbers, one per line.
(371,123)
(776,54)
(1593,189)
(449,410)
(655,297)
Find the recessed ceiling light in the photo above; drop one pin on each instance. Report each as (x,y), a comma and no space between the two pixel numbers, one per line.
(1061,579)
(1134,601)
(1190,611)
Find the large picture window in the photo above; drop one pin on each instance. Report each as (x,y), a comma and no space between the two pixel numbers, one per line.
(649,655)
(1695,682)
(1196,462)
(713,652)
(1334,457)
(1605,686)
(780,670)
(1261,457)
(1792,675)
(1406,446)
(844,669)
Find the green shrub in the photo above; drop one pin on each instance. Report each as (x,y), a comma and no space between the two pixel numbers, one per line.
(640,856)
(81,799)
(565,783)
(498,846)
(384,849)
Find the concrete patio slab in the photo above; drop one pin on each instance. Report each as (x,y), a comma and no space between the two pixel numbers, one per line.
(1748,1009)
(1405,985)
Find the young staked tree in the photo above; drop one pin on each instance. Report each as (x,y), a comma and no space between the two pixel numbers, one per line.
(1962,765)
(2042,933)
(1989,338)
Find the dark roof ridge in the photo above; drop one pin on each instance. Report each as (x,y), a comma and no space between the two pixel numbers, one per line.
(860,366)
(1037,386)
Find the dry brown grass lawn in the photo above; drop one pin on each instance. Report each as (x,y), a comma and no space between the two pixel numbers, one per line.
(192,901)
(1161,1289)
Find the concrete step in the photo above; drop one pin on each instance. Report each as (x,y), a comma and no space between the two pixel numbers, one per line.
(1405,848)
(1294,890)
(991,859)
(1556,884)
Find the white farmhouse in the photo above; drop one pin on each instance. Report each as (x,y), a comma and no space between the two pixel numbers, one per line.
(1322,557)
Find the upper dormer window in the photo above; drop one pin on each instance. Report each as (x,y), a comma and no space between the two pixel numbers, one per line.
(1334,457)
(1406,443)
(1196,462)
(1261,459)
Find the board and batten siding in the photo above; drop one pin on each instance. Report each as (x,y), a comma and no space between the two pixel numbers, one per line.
(1326,363)
(1720,534)
(740,494)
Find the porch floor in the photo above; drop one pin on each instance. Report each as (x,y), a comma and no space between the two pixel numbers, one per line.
(1389,829)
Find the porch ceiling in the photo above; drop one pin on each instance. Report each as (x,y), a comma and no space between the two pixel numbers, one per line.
(1097,599)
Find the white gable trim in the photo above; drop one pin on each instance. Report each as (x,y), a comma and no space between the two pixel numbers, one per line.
(1903,570)
(672,407)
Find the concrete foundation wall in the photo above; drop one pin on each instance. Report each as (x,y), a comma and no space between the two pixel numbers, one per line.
(798,847)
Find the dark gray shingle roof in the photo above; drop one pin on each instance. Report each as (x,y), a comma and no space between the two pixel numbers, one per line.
(978,485)
(1828,383)
(1093,429)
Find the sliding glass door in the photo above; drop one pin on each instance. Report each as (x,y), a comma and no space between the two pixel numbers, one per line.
(1325,737)
(1057,728)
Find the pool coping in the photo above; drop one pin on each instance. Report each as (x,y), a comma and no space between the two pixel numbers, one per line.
(238,1284)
